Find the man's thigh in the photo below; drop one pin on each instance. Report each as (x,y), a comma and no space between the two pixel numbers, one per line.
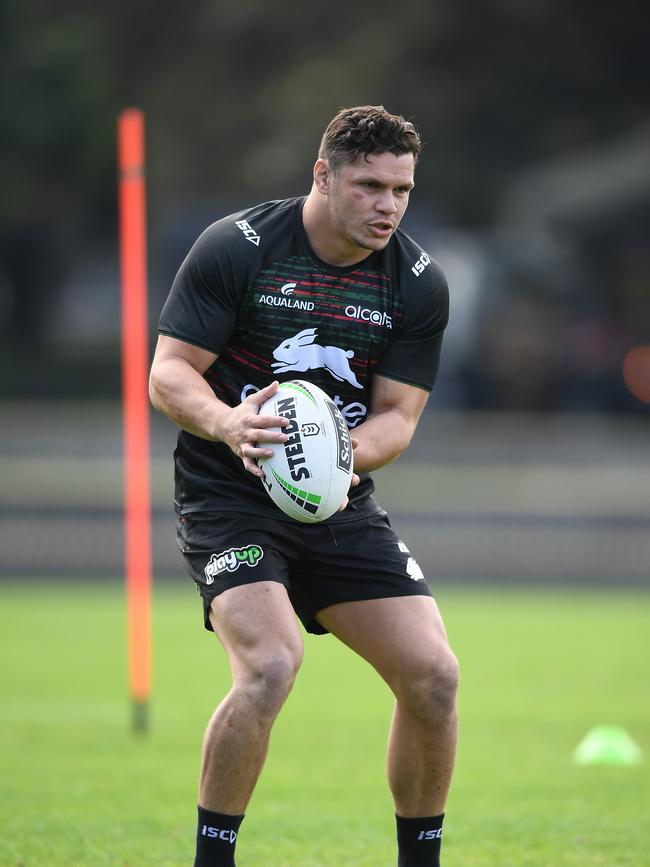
(352,561)
(399,637)
(258,629)
(226,551)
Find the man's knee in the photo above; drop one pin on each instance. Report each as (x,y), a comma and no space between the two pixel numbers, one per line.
(269,678)
(428,687)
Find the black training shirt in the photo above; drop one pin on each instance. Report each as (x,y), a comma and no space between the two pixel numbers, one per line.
(252,291)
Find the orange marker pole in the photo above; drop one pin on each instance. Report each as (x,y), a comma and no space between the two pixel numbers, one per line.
(135,364)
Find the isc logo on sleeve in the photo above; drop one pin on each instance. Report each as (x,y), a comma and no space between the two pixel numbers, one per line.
(421,264)
(249,232)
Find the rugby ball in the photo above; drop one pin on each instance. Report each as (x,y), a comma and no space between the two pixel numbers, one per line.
(309,475)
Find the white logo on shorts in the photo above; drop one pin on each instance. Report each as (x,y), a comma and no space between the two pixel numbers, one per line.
(231,560)
(412,568)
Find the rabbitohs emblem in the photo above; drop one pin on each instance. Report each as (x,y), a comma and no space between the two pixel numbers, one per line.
(301,353)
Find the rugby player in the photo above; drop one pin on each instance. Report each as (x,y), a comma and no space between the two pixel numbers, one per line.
(323,287)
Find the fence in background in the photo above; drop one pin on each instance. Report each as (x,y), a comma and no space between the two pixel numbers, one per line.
(518,499)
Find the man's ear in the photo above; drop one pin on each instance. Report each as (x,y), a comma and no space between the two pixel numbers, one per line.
(322,176)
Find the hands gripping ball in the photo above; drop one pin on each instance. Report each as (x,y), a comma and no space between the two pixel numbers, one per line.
(309,476)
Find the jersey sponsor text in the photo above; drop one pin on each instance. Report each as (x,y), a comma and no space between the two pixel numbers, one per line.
(365,314)
(353,413)
(284,301)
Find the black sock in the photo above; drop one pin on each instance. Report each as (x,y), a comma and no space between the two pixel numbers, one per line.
(418,841)
(215,839)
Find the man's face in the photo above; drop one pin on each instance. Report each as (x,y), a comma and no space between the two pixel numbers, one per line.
(368,197)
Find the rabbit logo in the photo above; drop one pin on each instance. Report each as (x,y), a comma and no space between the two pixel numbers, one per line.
(300,353)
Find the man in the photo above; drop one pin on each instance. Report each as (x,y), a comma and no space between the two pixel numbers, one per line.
(330,270)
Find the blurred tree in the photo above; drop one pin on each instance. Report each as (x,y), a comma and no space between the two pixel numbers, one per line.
(236,95)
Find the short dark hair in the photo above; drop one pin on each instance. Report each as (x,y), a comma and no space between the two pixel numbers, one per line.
(367,129)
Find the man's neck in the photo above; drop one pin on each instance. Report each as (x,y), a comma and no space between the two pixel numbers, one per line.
(322,236)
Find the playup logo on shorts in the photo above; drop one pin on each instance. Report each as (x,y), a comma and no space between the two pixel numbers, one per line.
(231,560)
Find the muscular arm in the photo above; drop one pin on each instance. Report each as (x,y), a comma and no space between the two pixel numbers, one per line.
(395,410)
(177,389)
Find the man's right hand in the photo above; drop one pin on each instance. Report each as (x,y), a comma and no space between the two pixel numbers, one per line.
(246,431)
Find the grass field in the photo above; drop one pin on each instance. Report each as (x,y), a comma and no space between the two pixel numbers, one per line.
(539,669)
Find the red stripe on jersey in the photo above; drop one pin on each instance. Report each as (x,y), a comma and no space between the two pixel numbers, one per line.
(246,362)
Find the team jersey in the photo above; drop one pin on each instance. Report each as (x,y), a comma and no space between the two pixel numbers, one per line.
(253,292)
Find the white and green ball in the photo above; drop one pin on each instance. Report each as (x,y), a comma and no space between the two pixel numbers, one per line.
(309,476)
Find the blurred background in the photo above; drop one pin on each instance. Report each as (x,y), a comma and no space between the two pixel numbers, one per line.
(533,193)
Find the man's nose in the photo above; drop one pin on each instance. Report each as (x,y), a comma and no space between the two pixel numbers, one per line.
(386,203)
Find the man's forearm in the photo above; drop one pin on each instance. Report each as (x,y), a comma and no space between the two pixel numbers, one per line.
(181,393)
(382,439)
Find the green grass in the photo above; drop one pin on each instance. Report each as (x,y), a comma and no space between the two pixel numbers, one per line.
(77,789)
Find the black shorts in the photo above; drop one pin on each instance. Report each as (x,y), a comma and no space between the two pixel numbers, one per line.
(319,564)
